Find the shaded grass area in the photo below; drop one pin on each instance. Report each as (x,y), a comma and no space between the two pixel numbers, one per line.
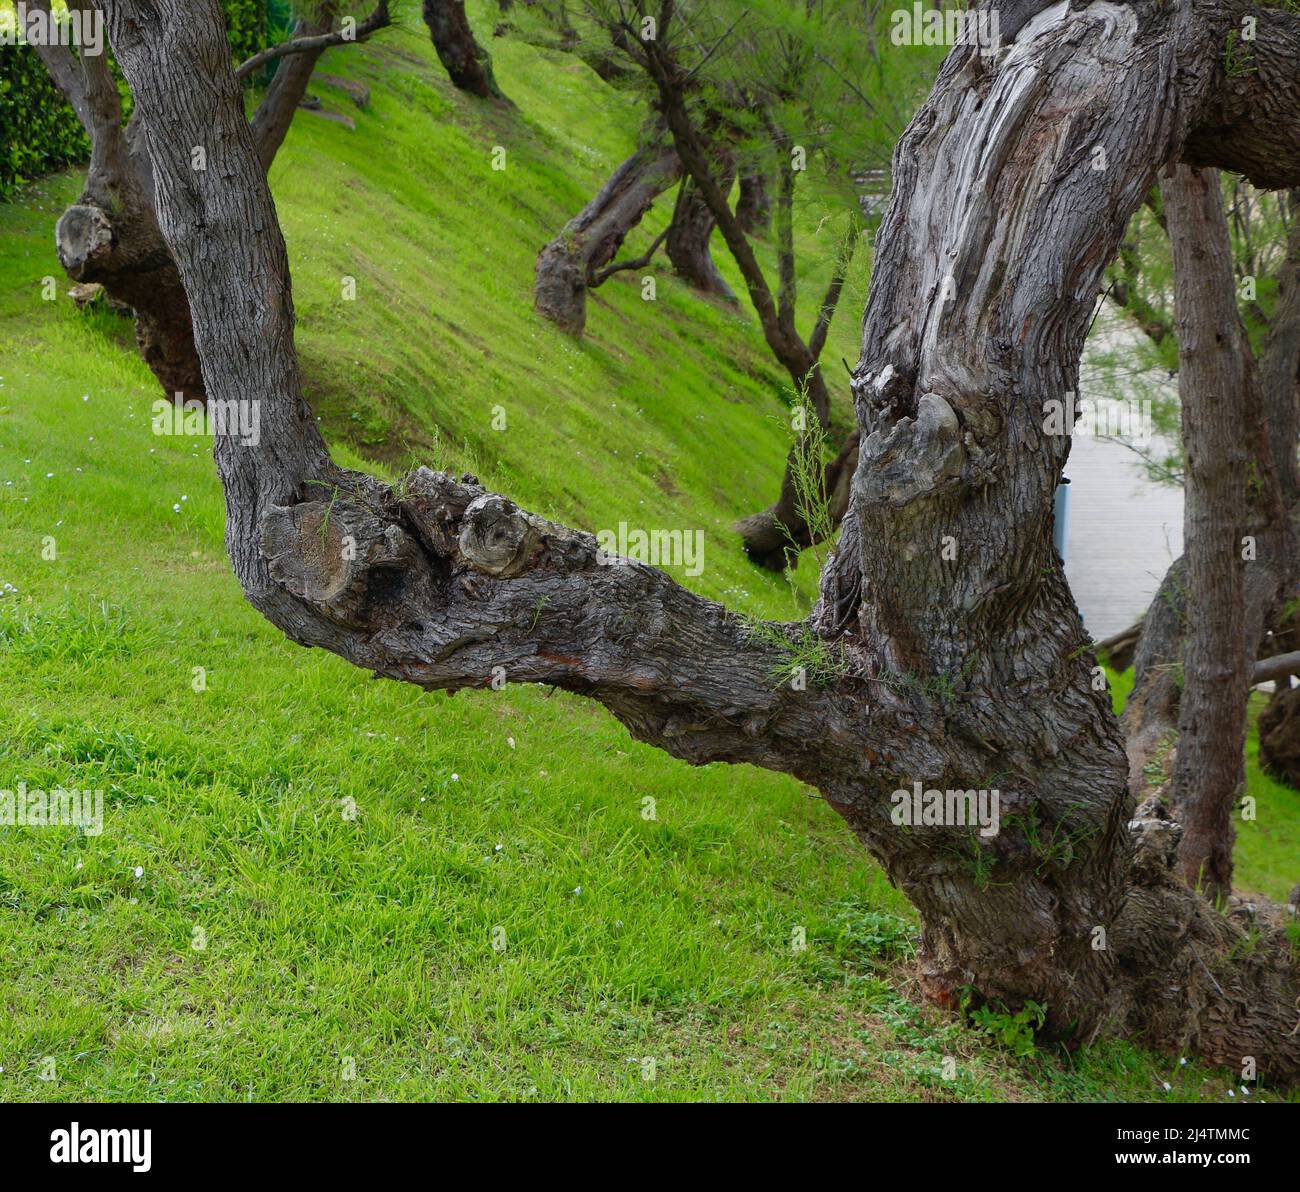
(311,885)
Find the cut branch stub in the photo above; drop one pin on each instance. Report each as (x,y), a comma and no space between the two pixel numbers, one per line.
(497,537)
(914,457)
(83,236)
(341,558)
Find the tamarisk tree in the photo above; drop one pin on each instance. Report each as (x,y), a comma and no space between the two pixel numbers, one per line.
(950,649)
(468,64)
(110,235)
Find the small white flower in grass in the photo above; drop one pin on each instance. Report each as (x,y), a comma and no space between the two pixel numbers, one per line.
(49,475)
(139,871)
(85,397)
(577,889)
(511,742)
(1168,1087)
(423,799)
(1232,1092)
(498,848)
(184,497)
(176,508)
(1183,1061)
(455,778)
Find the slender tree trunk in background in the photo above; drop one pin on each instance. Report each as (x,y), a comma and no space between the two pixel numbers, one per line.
(690,233)
(1151,713)
(965,669)
(774,537)
(573,262)
(467,63)
(1215,372)
(753,205)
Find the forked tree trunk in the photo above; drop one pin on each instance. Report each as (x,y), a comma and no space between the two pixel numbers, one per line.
(468,64)
(573,262)
(957,668)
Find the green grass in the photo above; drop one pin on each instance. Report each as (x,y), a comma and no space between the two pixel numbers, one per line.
(228,821)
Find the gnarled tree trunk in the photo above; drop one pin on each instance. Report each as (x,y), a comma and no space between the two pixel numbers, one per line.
(110,236)
(576,260)
(468,64)
(956,668)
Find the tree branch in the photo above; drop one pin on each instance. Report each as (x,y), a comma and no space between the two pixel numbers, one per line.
(62,64)
(640,262)
(318,42)
(843,259)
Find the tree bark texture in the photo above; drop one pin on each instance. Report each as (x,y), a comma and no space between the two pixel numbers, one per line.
(1215,372)
(753,204)
(467,63)
(574,261)
(689,235)
(966,669)
(110,236)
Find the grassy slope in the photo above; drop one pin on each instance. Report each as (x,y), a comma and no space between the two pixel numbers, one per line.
(372,938)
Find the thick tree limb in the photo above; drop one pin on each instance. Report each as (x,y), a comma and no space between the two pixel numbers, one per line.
(64,69)
(1279,666)
(574,261)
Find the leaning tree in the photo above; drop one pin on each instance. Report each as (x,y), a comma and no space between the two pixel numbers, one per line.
(948,647)
(110,236)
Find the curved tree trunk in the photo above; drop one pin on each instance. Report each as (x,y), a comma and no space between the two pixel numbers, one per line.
(576,260)
(467,63)
(955,668)
(689,236)
(110,236)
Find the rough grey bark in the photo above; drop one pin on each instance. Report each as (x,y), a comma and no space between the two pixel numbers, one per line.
(578,258)
(468,64)
(1215,377)
(956,671)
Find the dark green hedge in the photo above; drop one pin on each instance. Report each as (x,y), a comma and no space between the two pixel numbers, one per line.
(246,23)
(39,131)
